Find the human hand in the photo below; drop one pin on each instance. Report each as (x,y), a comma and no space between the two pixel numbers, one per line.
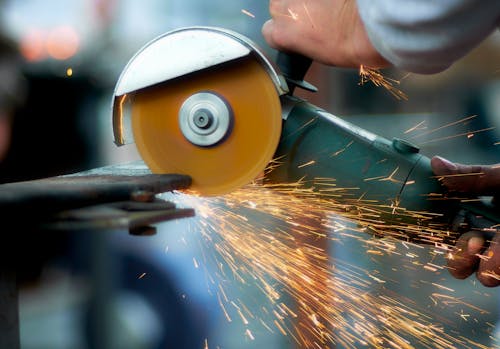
(328,31)
(472,253)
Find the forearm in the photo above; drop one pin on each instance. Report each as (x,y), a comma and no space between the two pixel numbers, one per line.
(427,36)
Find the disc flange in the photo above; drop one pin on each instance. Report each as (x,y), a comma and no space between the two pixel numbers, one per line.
(205,119)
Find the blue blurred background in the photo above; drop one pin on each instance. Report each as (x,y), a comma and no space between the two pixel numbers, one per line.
(118,291)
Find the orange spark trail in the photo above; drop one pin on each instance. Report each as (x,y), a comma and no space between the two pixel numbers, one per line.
(416,127)
(467,134)
(275,238)
(308,15)
(468,118)
(293,14)
(372,74)
(248,13)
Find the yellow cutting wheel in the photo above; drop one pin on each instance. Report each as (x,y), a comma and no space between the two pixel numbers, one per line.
(242,93)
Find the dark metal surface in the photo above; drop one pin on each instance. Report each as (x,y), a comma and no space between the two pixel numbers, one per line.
(117,196)
(107,184)
(131,215)
(120,197)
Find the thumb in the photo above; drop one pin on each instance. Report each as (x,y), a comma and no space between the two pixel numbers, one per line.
(473,179)
(441,166)
(267,32)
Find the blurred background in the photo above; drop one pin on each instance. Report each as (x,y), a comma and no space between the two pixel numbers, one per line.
(119,291)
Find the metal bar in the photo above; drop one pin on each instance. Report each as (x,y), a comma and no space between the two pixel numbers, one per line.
(49,195)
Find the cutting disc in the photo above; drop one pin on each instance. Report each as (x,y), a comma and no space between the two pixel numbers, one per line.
(253,133)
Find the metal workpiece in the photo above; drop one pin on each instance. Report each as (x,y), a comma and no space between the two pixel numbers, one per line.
(112,197)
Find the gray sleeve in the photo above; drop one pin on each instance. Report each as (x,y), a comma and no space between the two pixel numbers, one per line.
(427,36)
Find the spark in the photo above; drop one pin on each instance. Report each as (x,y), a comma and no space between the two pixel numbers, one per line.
(461,121)
(430,267)
(243,318)
(249,334)
(283,332)
(275,237)
(120,127)
(248,13)
(464,316)
(461,175)
(449,300)
(372,74)
(309,163)
(482,257)
(69,72)
(390,178)
(466,134)
(491,274)
(470,200)
(223,307)
(418,126)
(308,15)
(142,276)
(338,152)
(377,279)
(443,287)
(293,15)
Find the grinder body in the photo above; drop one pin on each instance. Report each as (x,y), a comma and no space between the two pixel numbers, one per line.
(391,175)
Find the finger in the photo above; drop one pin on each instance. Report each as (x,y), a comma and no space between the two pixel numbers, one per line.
(277,7)
(474,179)
(488,272)
(279,35)
(464,259)
(441,166)
(268,32)
(449,174)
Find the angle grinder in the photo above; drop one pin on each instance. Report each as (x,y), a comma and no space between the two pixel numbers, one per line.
(208,103)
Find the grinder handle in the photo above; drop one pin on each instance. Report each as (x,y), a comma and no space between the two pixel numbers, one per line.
(294,67)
